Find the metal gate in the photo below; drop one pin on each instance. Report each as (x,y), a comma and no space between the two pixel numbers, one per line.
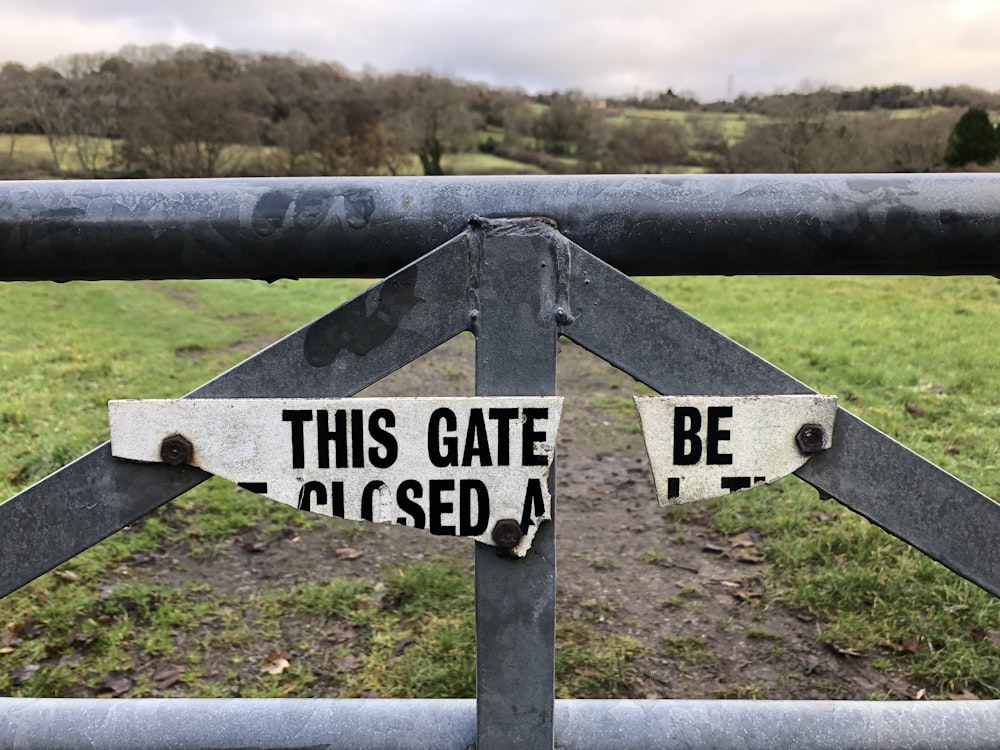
(518,262)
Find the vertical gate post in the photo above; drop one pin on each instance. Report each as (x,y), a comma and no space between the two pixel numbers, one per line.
(512,309)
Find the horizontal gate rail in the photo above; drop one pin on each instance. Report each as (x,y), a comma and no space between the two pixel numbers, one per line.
(422,724)
(543,257)
(369,227)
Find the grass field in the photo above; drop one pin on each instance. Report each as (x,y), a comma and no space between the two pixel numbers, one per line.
(914,356)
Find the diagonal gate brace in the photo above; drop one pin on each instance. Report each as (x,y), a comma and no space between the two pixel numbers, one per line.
(865,470)
(594,305)
(399,319)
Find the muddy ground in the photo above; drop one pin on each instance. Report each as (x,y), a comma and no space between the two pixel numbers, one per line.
(700,603)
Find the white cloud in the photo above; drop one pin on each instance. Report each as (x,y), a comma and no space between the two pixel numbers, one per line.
(598,47)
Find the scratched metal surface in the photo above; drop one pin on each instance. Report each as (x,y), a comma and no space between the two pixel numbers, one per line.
(370,227)
(516,271)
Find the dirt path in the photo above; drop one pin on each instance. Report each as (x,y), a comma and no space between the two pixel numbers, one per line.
(698,602)
(701,605)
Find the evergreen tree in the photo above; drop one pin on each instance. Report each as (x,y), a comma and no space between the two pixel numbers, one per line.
(972,139)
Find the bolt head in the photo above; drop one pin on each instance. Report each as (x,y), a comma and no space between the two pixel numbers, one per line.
(507,533)
(811,439)
(176,450)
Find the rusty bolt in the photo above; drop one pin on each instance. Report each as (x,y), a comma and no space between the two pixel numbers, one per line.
(811,438)
(176,450)
(507,533)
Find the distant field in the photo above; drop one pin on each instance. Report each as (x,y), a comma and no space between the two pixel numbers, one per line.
(473,163)
(32,156)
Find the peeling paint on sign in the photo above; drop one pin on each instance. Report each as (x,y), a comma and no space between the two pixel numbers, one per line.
(450,466)
(707,446)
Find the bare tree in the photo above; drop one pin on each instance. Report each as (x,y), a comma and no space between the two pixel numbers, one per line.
(15,116)
(427,115)
(182,116)
(94,92)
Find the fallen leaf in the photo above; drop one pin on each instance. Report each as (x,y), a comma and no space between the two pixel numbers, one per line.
(921,693)
(341,634)
(295,540)
(993,636)
(843,651)
(402,643)
(6,650)
(347,663)
(22,675)
(741,540)
(348,553)
(910,645)
(74,636)
(114,683)
(276,663)
(255,548)
(965,695)
(822,517)
(67,575)
(70,660)
(745,557)
(167,675)
(914,410)
(712,548)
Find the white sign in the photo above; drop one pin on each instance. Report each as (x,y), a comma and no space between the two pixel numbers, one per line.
(707,446)
(451,466)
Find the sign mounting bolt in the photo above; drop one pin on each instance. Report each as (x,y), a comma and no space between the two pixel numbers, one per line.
(811,439)
(176,450)
(507,533)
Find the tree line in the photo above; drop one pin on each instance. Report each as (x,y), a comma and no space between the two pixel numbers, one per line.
(197,112)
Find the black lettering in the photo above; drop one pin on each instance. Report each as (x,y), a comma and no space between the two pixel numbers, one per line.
(466,488)
(438,507)
(324,436)
(529,436)
(477,445)
(357,438)
(308,491)
(673,487)
(337,499)
(534,504)
(368,499)
(503,417)
(734,484)
(687,422)
(714,436)
(298,418)
(378,424)
(442,451)
(405,496)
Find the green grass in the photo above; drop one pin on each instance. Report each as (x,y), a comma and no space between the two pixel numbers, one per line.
(474,163)
(879,343)
(66,350)
(916,358)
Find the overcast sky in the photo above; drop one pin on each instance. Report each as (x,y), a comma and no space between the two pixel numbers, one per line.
(708,47)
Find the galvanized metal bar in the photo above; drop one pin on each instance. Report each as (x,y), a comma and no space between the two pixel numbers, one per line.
(410,724)
(865,470)
(406,315)
(369,227)
(512,298)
